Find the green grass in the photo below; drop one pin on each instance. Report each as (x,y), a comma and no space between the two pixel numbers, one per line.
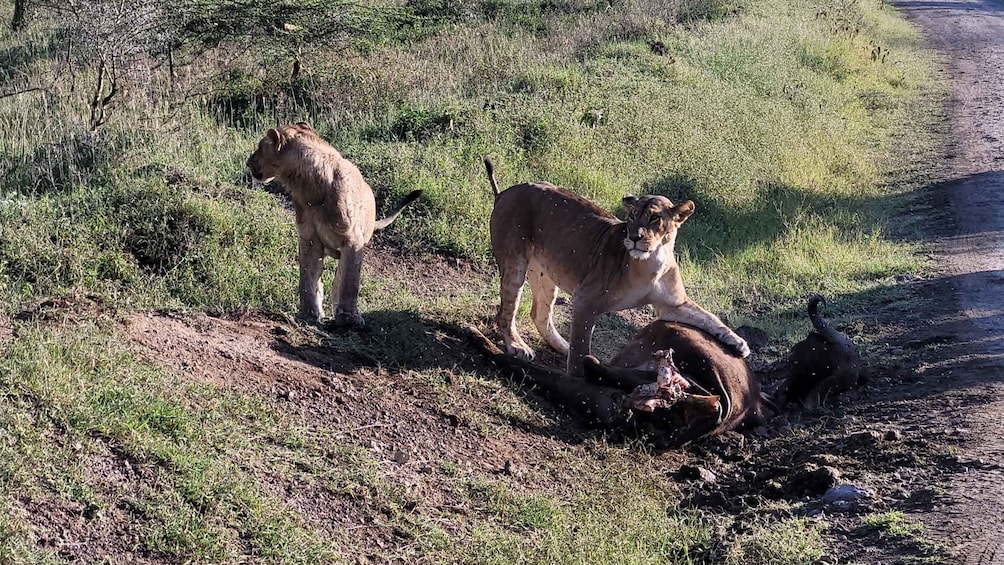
(777,124)
(772,116)
(892,524)
(895,528)
(95,401)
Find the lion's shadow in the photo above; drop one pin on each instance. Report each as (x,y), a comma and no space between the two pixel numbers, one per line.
(404,341)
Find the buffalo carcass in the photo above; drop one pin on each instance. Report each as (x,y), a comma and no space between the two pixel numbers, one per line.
(825,362)
(633,394)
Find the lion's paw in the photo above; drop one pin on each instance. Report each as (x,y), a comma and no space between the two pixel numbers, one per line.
(741,347)
(520,351)
(345,318)
(309,319)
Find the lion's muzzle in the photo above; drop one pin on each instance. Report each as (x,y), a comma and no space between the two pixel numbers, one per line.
(257,175)
(637,249)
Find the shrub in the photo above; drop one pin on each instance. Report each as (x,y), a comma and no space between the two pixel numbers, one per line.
(159,227)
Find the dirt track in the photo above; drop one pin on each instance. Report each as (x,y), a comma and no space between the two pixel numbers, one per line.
(967,301)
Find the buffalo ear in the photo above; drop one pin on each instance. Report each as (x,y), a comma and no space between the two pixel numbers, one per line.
(682,211)
(277,137)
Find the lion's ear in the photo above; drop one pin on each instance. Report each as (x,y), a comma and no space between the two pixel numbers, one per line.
(629,201)
(278,139)
(305,125)
(682,211)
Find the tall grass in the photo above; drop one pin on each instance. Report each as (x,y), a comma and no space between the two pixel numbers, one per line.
(774,120)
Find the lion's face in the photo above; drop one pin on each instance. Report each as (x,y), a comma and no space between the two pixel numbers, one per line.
(652,222)
(261,163)
(265,163)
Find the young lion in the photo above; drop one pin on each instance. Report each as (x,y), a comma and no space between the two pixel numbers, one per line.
(563,241)
(335,214)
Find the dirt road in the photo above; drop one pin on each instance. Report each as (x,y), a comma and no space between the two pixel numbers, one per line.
(968,299)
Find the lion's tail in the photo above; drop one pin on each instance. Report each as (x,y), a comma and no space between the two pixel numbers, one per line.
(381,224)
(491,176)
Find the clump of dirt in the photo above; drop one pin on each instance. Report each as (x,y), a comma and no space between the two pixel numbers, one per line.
(239,351)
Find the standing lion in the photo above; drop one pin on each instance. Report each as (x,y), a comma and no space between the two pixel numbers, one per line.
(335,214)
(559,240)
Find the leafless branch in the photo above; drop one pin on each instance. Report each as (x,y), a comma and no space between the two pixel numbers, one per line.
(24,91)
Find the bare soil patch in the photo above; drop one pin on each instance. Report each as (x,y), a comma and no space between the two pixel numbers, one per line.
(414,427)
(426,276)
(961,313)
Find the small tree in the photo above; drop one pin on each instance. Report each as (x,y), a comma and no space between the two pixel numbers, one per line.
(112,36)
(123,39)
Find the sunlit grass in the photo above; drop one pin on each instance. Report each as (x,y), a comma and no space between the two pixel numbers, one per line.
(777,123)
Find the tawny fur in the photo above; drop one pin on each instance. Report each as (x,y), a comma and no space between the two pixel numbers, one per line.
(559,240)
(335,214)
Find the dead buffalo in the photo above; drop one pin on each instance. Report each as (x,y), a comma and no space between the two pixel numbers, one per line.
(638,390)
(824,363)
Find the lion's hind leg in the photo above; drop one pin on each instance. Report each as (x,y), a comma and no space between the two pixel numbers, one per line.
(513,275)
(545,292)
(345,289)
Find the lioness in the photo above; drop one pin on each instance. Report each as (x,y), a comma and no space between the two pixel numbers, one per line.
(335,214)
(563,241)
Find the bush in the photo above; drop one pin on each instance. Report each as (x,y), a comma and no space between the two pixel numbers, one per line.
(415,123)
(159,227)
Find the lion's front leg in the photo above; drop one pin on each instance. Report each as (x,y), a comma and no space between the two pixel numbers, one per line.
(345,289)
(310,256)
(693,315)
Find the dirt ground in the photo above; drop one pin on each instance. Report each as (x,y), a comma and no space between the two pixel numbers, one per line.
(967,299)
